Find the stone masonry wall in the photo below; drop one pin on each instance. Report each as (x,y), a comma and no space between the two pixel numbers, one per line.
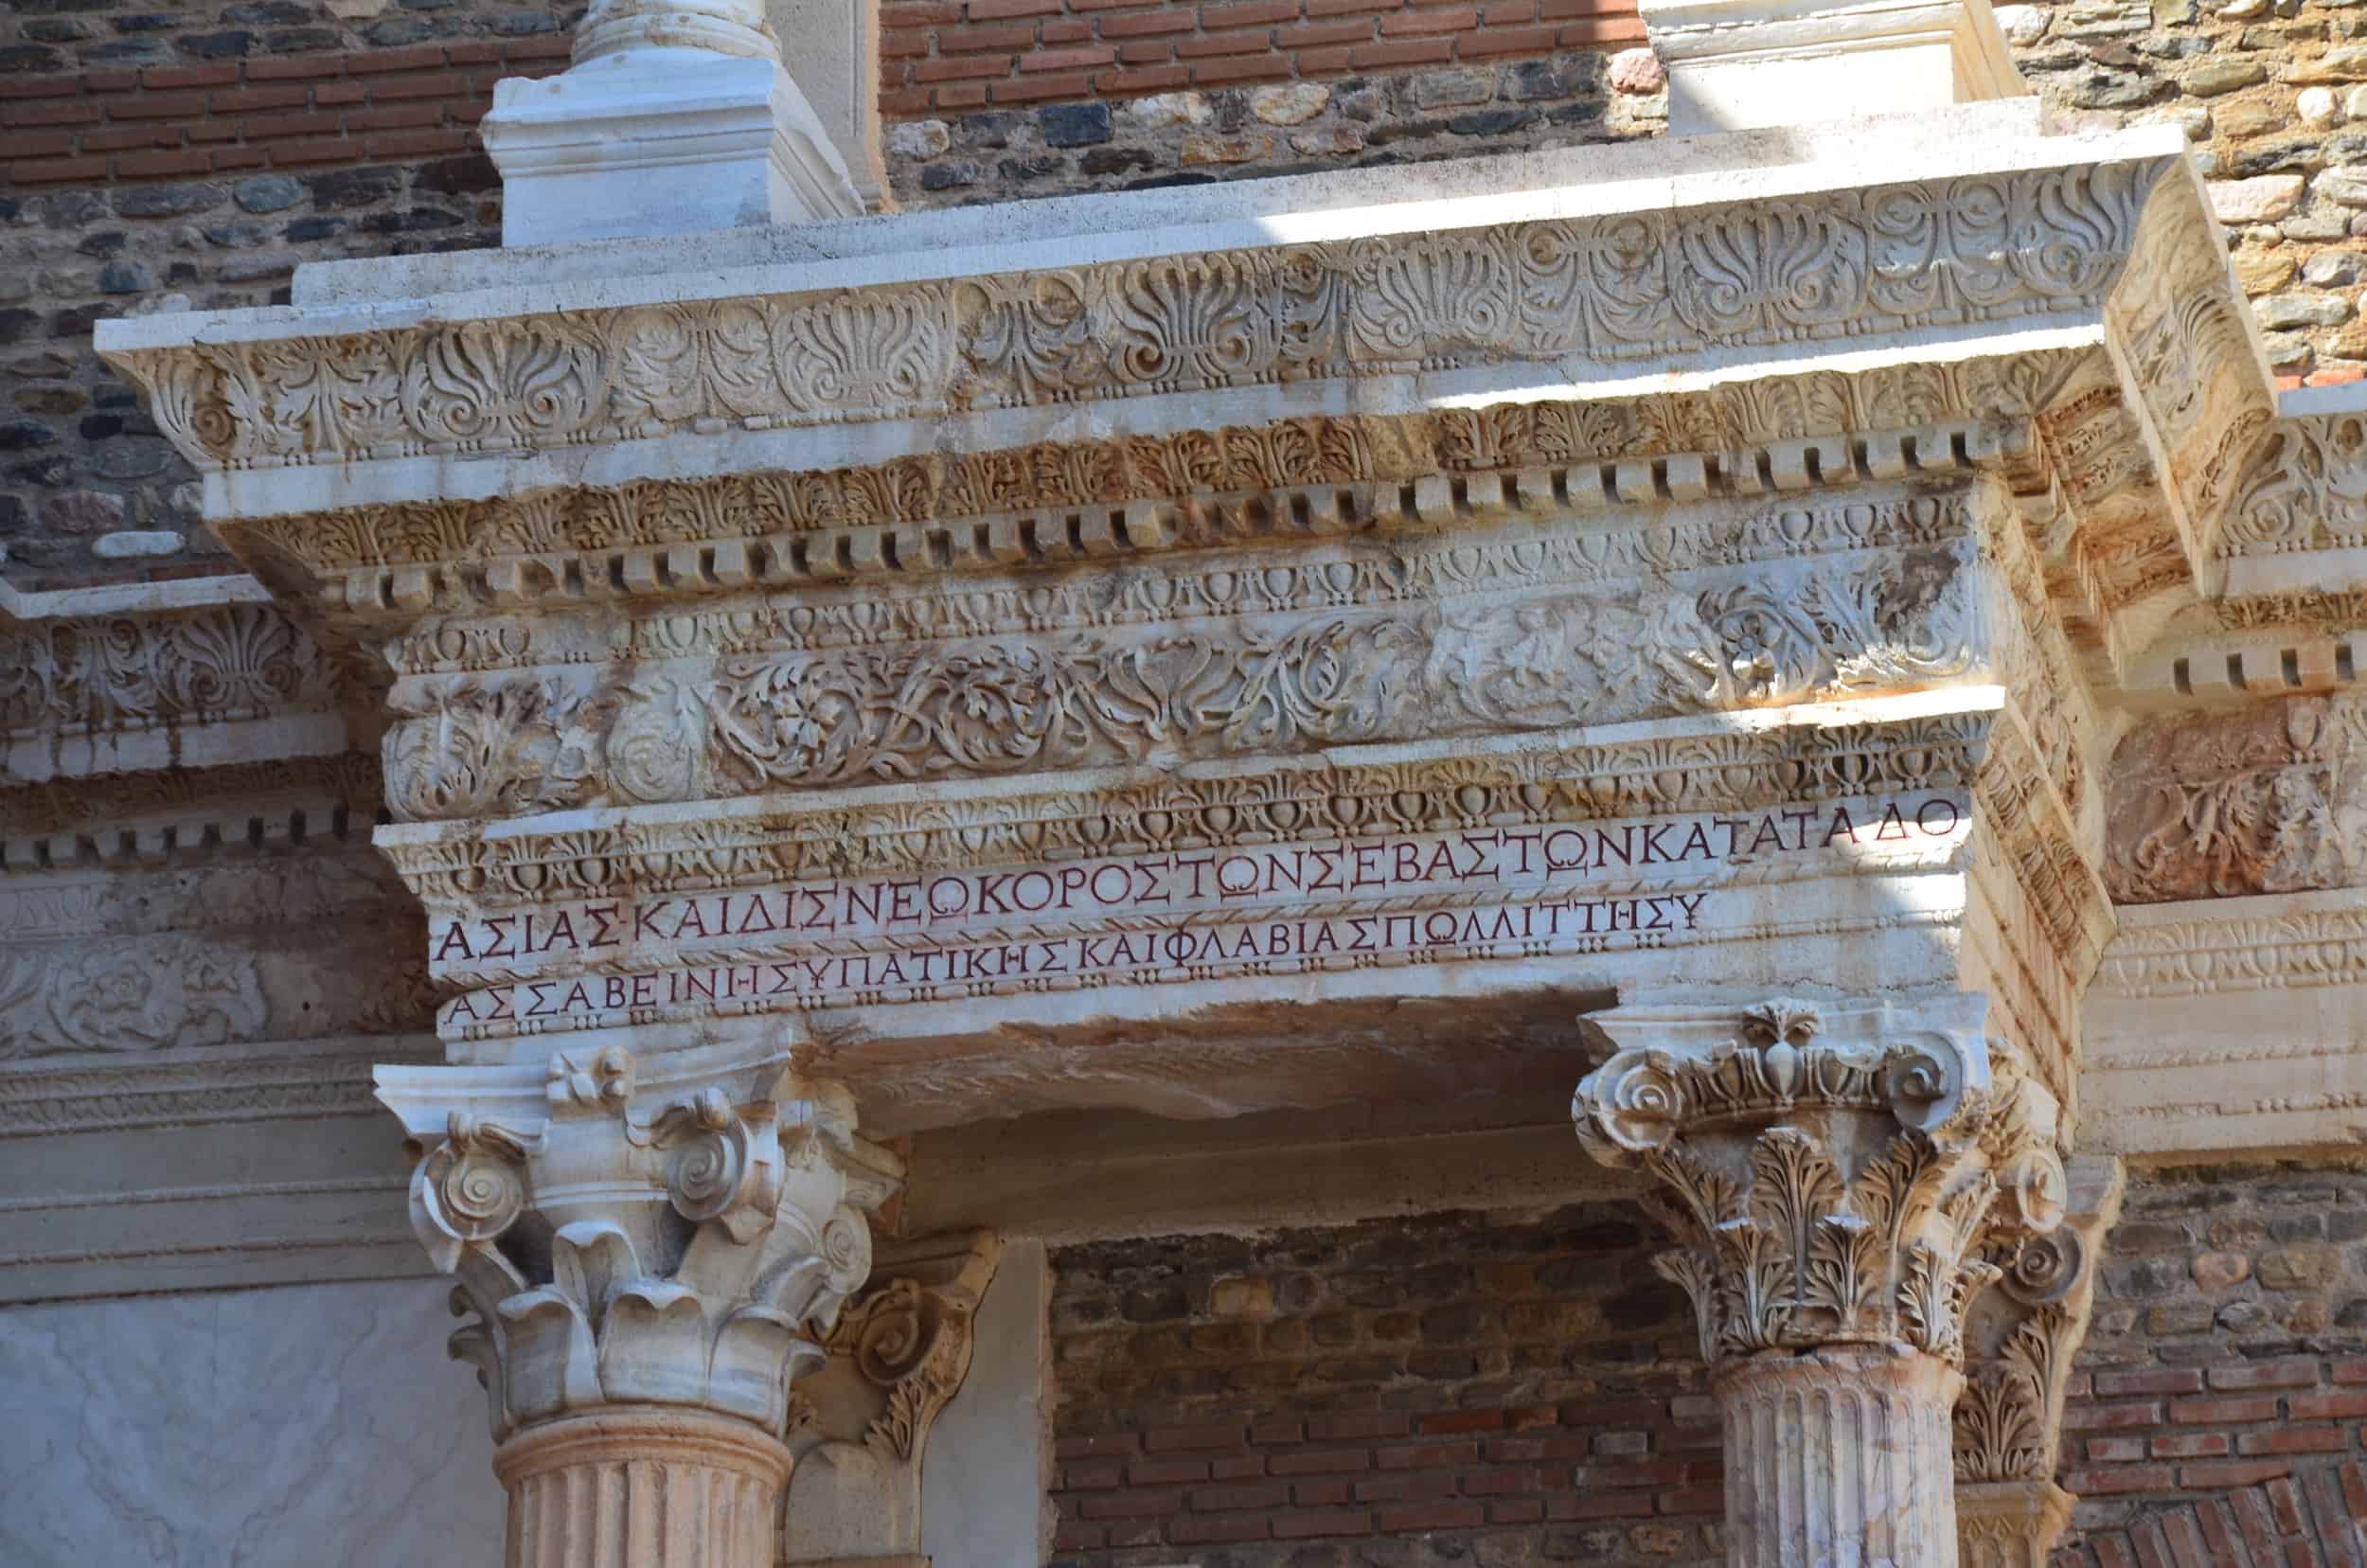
(2220,1404)
(1499,1391)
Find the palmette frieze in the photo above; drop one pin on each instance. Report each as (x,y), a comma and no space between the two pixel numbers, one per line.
(83,675)
(2309,941)
(517,743)
(1629,289)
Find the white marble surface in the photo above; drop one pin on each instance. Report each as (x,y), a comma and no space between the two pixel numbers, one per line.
(988,1468)
(247,1429)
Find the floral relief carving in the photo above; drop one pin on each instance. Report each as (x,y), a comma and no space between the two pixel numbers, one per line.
(136,672)
(2272,798)
(1828,1190)
(678,730)
(126,995)
(613,1302)
(1620,289)
(2304,488)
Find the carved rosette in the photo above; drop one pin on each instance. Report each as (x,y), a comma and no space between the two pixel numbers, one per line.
(1840,1176)
(619,1252)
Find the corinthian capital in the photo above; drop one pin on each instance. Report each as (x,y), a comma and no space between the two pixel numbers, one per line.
(1836,1172)
(681,1243)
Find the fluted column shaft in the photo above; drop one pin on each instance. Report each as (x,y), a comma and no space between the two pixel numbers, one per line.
(1839,1459)
(642,1489)
(1836,1175)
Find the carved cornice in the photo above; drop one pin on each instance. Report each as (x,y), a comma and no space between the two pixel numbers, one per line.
(1834,1171)
(1627,290)
(1058,502)
(603,1299)
(140,818)
(201,1088)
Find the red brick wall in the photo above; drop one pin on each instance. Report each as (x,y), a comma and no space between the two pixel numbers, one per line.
(305,112)
(2222,1393)
(1502,1391)
(1453,1389)
(944,55)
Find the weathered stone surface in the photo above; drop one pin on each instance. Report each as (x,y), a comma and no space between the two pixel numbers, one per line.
(920,138)
(1293,103)
(2262,271)
(2223,75)
(1637,71)
(2250,201)
(2283,311)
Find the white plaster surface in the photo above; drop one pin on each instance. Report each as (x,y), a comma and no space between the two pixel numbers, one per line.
(982,1492)
(288,1428)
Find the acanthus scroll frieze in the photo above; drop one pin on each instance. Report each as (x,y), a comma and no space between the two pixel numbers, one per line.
(504,744)
(1627,289)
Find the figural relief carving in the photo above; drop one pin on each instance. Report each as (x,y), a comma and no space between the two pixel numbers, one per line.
(2269,798)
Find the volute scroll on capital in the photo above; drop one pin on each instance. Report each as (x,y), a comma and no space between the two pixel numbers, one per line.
(691,1247)
(1838,1172)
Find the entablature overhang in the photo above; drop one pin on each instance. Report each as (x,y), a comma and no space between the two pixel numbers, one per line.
(1605,329)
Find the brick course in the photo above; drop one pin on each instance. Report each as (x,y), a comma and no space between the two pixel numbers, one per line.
(392,105)
(1504,1390)
(1458,1388)
(937,57)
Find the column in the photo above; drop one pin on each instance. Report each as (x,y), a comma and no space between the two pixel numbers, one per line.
(676,116)
(648,1265)
(2019,1340)
(1837,1174)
